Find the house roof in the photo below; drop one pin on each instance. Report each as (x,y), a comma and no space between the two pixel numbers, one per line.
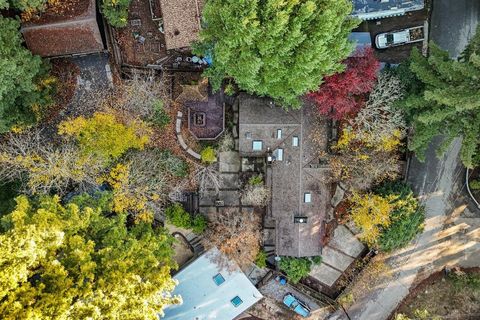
(374,9)
(181,21)
(57,35)
(203,298)
(291,178)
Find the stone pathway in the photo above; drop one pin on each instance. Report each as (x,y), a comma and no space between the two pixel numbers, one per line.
(337,256)
(229,193)
(178,131)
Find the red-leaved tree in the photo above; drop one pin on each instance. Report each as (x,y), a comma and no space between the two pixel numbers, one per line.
(345,93)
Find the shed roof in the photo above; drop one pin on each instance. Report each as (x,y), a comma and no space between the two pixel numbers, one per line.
(181,21)
(56,35)
(297,174)
(203,298)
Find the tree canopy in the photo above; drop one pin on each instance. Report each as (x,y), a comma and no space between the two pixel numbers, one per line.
(104,136)
(24,86)
(390,217)
(276,48)
(343,94)
(72,262)
(448,103)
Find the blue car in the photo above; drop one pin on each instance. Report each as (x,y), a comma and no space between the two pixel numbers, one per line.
(296,305)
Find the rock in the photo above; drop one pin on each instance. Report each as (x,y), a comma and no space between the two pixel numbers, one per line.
(338,196)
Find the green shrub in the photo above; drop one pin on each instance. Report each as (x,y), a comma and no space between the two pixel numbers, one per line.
(102,200)
(402,230)
(407,216)
(177,216)
(396,187)
(208,155)
(160,116)
(116,12)
(317,260)
(199,224)
(229,89)
(256,180)
(465,280)
(261,259)
(295,268)
(174,165)
(475,184)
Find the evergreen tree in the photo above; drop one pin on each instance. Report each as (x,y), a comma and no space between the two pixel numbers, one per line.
(276,48)
(449,102)
(73,262)
(23,86)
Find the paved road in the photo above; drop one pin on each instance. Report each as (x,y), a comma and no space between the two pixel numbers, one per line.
(453,23)
(452,230)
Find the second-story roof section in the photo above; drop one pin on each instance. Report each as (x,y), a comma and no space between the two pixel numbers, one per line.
(181,21)
(374,9)
(209,291)
(300,191)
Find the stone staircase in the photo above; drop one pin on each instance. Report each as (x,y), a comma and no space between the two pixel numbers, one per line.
(196,242)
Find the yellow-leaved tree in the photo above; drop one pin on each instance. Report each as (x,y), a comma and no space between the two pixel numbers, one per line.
(371,213)
(105,136)
(73,262)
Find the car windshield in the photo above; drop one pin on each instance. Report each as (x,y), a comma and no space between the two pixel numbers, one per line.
(389,38)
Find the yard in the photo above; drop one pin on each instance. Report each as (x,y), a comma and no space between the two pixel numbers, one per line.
(452,296)
(141,41)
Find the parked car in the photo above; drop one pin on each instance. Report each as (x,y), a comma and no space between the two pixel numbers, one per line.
(294,304)
(399,37)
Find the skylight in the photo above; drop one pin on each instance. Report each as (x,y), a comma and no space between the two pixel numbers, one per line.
(307,197)
(257,145)
(295,141)
(236,301)
(218,279)
(280,154)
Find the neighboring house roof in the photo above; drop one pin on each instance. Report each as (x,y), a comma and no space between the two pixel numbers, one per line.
(374,9)
(181,22)
(203,298)
(294,179)
(55,35)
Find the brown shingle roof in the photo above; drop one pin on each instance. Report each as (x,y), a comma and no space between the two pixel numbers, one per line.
(291,178)
(57,37)
(181,21)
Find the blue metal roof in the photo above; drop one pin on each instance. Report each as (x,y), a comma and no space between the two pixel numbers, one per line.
(203,299)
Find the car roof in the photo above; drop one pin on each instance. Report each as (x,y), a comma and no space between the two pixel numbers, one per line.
(301,310)
(288,299)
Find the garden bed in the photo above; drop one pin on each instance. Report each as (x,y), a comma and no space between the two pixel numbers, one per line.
(444,296)
(140,23)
